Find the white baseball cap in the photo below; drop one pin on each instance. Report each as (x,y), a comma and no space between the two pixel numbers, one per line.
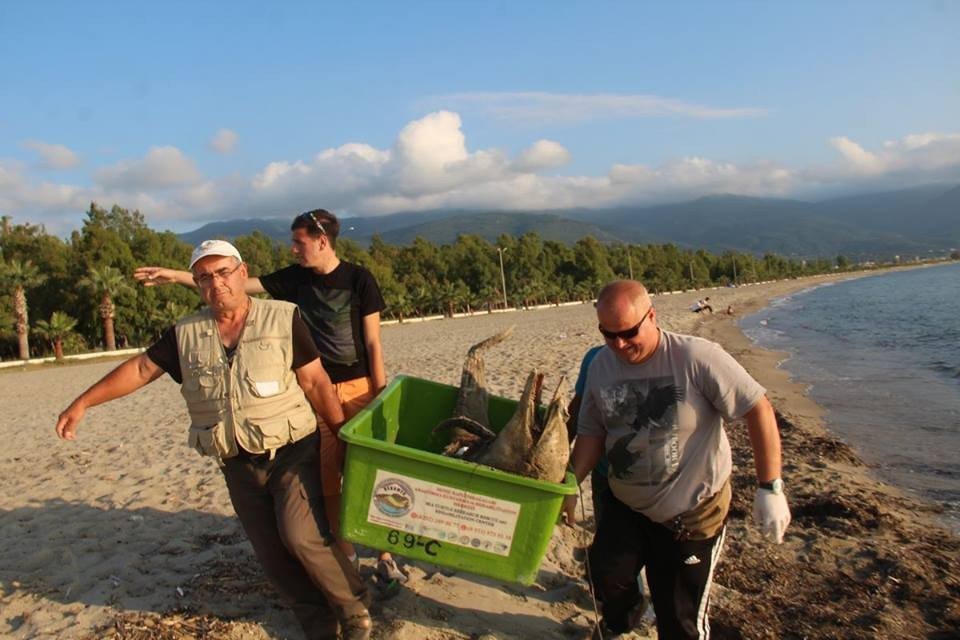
(214,248)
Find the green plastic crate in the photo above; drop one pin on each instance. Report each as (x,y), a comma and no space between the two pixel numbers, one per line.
(401,495)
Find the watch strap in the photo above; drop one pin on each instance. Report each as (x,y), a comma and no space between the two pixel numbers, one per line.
(770,486)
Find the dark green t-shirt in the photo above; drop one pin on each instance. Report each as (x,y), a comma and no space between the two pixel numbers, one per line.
(333,306)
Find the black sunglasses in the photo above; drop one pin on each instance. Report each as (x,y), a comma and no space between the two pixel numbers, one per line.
(312,218)
(626,334)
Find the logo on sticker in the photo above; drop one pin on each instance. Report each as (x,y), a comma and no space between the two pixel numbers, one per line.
(393,498)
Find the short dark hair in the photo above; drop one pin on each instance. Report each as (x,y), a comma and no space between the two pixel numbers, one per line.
(318,222)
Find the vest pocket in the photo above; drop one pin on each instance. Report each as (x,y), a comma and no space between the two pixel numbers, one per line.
(200,385)
(209,440)
(300,429)
(274,433)
(265,382)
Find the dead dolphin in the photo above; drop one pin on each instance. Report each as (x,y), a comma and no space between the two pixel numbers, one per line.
(531,446)
(551,451)
(526,445)
(469,426)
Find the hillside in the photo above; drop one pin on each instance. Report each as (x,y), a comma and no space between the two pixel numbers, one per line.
(915,221)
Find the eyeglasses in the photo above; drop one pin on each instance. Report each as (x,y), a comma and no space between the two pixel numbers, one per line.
(626,334)
(206,279)
(309,215)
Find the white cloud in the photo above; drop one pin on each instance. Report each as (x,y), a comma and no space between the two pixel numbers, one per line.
(224,141)
(431,165)
(691,177)
(923,151)
(912,159)
(542,154)
(53,156)
(539,107)
(162,167)
(858,158)
(430,156)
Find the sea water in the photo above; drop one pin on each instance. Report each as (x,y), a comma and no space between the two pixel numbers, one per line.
(882,355)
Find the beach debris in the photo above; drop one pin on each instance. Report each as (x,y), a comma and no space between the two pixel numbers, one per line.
(175,625)
(531,444)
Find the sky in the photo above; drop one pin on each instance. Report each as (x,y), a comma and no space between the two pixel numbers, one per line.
(197,111)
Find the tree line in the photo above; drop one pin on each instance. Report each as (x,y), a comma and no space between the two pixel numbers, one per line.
(77,294)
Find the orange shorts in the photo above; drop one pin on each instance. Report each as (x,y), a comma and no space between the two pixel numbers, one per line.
(353,395)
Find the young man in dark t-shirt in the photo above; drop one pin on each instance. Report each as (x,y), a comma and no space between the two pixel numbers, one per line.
(333,306)
(341,303)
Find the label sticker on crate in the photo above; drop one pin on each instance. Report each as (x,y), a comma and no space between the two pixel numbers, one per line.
(450,515)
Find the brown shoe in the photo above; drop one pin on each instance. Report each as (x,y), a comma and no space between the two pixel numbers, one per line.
(357,627)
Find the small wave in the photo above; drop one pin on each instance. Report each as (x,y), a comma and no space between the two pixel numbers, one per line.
(912,465)
(945,367)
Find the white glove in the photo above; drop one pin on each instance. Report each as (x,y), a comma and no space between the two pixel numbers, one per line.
(771,514)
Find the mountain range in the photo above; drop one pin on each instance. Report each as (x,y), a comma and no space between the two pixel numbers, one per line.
(910,222)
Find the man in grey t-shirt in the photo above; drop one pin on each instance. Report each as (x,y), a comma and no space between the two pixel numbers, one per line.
(656,403)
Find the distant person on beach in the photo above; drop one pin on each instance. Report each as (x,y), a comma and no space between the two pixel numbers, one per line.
(254,386)
(341,304)
(656,402)
(701,305)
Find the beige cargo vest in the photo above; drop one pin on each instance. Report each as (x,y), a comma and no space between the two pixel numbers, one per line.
(255,402)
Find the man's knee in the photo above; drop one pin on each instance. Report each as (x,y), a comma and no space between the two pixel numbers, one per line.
(610,572)
(306,533)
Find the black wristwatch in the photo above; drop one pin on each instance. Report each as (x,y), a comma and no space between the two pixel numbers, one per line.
(774,486)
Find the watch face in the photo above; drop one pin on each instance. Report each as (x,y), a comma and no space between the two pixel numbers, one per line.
(777,486)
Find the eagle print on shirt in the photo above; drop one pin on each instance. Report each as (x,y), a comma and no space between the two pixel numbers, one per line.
(645,447)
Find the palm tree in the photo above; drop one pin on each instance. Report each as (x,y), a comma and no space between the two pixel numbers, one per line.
(21,276)
(167,315)
(108,283)
(59,327)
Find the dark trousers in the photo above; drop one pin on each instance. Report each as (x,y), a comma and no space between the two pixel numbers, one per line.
(599,488)
(679,572)
(280,505)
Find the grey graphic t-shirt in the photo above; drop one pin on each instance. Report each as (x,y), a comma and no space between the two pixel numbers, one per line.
(662,421)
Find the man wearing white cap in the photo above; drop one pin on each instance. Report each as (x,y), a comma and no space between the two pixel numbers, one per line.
(252,379)
(341,304)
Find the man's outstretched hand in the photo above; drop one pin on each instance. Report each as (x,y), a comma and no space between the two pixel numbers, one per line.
(153,276)
(69,420)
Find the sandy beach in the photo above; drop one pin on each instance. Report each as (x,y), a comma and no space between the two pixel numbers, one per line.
(126,533)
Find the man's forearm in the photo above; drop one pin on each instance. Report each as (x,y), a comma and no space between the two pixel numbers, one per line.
(125,379)
(328,407)
(586,454)
(765,440)
(318,389)
(378,372)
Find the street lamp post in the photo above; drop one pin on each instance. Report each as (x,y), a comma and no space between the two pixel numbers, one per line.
(503,280)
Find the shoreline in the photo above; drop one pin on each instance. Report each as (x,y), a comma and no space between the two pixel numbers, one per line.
(866,541)
(122,533)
